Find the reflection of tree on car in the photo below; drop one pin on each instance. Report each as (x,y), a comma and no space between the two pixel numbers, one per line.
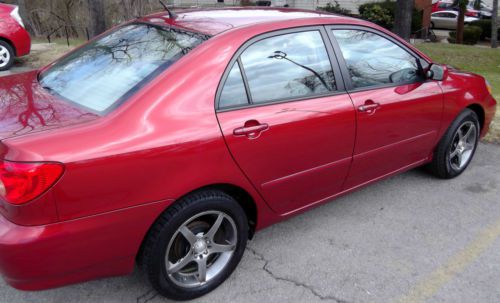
(366,65)
(110,67)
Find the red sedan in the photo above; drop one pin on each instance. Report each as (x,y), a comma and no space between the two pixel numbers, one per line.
(14,39)
(170,140)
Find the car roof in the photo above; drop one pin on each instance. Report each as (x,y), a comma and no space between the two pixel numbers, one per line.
(214,21)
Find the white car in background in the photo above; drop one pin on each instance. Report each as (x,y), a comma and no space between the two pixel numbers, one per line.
(448,19)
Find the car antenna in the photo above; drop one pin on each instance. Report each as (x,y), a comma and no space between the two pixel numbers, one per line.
(171,14)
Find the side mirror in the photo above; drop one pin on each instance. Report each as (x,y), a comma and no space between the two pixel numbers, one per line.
(436,72)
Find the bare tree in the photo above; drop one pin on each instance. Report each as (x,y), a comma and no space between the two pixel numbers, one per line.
(462,7)
(97,20)
(402,18)
(494,25)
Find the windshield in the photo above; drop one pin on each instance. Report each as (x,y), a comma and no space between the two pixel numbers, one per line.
(103,73)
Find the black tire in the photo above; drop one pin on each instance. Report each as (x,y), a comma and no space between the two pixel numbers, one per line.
(165,228)
(441,166)
(11,55)
(432,25)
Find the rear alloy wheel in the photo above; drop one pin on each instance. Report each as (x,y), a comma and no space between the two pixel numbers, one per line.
(457,147)
(6,56)
(195,245)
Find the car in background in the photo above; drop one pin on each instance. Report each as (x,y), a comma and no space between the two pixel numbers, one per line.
(484,11)
(449,5)
(274,3)
(15,41)
(448,19)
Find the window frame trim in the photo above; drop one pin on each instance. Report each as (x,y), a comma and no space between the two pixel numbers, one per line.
(236,59)
(343,64)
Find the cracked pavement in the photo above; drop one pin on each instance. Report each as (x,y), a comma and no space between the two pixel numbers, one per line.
(411,231)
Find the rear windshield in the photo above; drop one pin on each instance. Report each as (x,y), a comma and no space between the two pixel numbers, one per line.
(103,73)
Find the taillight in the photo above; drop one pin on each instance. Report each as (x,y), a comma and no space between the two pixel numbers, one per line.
(22,182)
(15,15)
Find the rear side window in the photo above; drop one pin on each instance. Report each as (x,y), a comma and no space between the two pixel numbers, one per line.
(102,73)
(233,93)
(374,60)
(280,68)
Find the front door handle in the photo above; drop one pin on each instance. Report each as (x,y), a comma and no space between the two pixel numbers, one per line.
(369,107)
(251,130)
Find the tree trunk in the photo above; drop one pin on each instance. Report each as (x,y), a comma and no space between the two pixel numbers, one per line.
(97,21)
(462,4)
(494,25)
(402,18)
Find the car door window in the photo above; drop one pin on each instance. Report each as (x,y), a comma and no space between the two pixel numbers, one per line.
(288,66)
(233,93)
(374,60)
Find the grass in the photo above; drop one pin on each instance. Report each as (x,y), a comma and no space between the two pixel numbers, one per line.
(479,60)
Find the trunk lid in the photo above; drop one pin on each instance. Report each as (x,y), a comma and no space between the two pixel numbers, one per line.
(26,107)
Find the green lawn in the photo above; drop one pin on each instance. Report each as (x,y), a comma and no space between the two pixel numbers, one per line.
(480,60)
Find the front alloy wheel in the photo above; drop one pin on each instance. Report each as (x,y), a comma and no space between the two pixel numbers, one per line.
(457,146)
(462,145)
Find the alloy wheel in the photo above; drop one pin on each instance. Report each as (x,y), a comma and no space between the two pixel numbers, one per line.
(4,56)
(462,146)
(201,248)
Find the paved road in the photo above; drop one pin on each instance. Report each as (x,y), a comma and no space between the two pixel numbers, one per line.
(411,238)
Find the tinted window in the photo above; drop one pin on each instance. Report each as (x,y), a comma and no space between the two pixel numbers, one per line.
(287,67)
(450,15)
(234,92)
(440,15)
(374,60)
(445,5)
(99,74)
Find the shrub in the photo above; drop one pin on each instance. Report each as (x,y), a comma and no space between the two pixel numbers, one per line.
(390,6)
(485,25)
(335,8)
(378,15)
(471,35)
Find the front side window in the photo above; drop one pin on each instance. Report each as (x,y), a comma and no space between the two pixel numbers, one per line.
(288,66)
(374,60)
(104,71)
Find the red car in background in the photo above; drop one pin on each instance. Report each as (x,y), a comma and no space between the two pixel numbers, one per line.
(14,39)
(449,5)
(171,139)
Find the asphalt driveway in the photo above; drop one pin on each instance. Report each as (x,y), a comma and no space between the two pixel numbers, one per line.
(410,238)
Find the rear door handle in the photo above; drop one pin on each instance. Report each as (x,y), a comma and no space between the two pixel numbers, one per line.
(252,129)
(368,107)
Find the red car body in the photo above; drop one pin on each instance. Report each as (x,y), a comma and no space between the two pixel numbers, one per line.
(122,169)
(448,5)
(12,32)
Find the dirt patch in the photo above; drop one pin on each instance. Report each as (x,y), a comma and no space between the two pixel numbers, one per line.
(43,54)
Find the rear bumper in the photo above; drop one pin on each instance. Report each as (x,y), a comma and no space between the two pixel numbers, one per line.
(22,42)
(41,257)
(18,36)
